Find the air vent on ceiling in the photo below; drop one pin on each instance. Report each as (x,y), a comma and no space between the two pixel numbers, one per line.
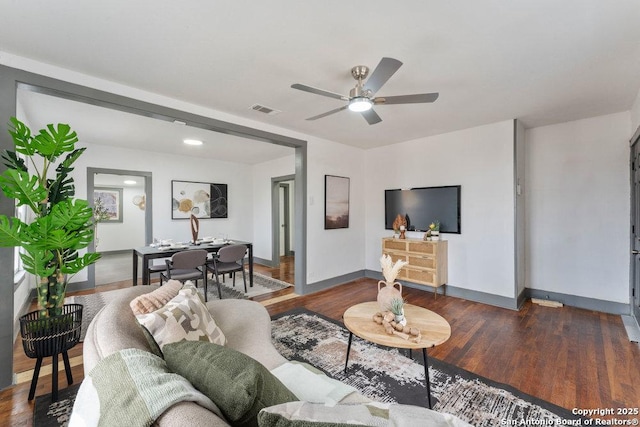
(265,110)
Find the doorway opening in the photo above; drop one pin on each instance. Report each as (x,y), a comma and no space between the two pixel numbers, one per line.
(123,199)
(283,231)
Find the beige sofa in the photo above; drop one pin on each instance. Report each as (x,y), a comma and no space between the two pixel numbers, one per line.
(115,328)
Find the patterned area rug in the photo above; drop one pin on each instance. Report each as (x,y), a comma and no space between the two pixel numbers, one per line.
(262,284)
(53,414)
(388,375)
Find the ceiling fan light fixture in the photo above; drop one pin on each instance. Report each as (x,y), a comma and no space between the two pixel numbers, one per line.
(362,97)
(360,104)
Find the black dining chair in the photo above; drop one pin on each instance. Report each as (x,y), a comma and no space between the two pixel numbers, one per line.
(229,259)
(157,268)
(187,265)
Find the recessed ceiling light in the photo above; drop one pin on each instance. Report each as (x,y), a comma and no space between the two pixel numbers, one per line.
(129,182)
(192,142)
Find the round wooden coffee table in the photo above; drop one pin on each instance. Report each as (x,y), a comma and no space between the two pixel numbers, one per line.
(434,329)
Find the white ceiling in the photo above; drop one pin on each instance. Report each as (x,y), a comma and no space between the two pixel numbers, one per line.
(541,61)
(102,126)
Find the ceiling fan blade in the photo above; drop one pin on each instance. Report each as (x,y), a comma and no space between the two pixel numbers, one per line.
(371,117)
(319,116)
(317,91)
(406,99)
(385,69)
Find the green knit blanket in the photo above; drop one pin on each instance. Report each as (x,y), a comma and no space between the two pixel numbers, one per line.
(133,388)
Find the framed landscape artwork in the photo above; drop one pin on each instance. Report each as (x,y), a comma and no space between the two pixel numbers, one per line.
(202,199)
(336,202)
(110,202)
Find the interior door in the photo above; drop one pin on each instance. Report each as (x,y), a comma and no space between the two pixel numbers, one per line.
(281,219)
(635,227)
(283,209)
(285,247)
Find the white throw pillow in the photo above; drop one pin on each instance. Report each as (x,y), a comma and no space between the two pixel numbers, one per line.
(184,317)
(303,414)
(310,386)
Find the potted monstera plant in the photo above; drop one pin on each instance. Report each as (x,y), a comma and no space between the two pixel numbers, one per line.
(37,176)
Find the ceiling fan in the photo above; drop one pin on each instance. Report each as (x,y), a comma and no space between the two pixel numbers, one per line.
(361,98)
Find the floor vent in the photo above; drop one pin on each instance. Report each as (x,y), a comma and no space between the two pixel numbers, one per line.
(265,110)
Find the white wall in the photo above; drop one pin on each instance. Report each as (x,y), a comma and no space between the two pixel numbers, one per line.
(130,233)
(237,177)
(578,207)
(481,161)
(332,253)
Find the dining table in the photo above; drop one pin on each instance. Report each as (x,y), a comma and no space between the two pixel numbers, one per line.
(147,253)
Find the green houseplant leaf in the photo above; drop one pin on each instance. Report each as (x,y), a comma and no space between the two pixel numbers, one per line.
(52,142)
(21,135)
(11,231)
(38,262)
(62,187)
(78,264)
(25,189)
(12,161)
(71,214)
(62,225)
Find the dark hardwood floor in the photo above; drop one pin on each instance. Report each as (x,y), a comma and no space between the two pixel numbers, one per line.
(571,357)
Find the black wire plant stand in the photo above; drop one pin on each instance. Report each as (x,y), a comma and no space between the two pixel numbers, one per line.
(49,337)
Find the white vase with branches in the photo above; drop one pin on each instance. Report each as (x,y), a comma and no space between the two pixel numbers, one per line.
(390,271)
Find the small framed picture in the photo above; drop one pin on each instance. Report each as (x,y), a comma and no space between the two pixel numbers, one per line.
(336,202)
(108,203)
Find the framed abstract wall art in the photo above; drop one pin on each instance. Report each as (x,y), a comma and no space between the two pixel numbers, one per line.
(336,202)
(202,199)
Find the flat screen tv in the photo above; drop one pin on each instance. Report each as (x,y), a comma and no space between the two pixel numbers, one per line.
(424,205)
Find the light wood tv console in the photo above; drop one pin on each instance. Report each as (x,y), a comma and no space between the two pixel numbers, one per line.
(427,260)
